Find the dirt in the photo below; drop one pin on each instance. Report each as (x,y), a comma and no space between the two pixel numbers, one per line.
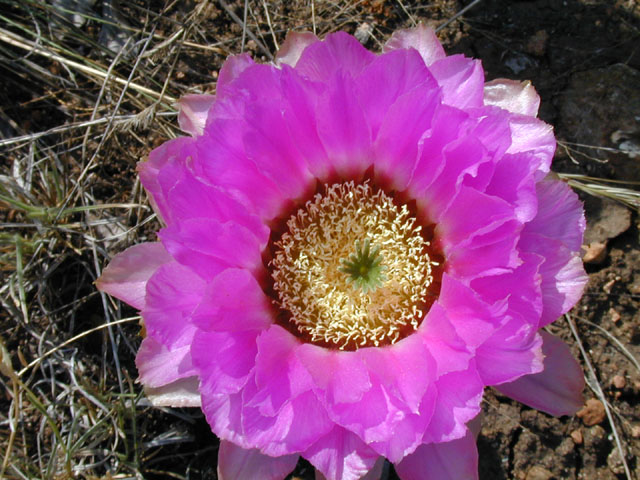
(583,57)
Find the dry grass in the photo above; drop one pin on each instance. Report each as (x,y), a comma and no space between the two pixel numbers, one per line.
(85,94)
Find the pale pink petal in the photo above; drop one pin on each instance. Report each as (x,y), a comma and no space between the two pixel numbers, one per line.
(341,455)
(454,460)
(461,80)
(158,365)
(528,134)
(127,274)
(422,38)
(192,112)
(231,69)
(556,390)
(237,463)
(181,393)
(374,474)
(293,46)
(513,95)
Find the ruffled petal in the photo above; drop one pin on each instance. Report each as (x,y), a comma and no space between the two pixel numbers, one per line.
(560,214)
(454,460)
(461,80)
(458,401)
(127,274)
(231,69)
(512,95)
(422,38)
(562,273)
(338,52)
(159,365)
(291,49)
(192,113)
(556,390)
(173,293)
(341,455)
(528,134)
(237,463)
(181,393)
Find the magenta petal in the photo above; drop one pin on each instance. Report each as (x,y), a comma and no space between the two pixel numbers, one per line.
(556,390)
(461,80)
(208,246)
(192,114)
(341,455)
(181,393)
(343,128)
(454,460)
(512,95)
(237,463)
(422,38)
(294,44)
(338,52)
(127,274)
(159,365)
(233,301)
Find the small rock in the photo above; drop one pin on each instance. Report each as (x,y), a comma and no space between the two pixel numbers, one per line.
(634,288)
(610,220)
(592,413)
(635,431)
(363,32)
(538,473)
(615,316)
(577,437)
(596,253)
(606,288)
(619,382)
(614,462)
(537,44)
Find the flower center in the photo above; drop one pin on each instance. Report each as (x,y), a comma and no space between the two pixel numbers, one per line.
(353,269)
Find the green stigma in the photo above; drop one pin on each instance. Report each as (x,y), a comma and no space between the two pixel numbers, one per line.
(364,267)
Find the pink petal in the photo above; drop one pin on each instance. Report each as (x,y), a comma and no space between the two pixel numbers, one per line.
(341,455)
(208,246)
(563,275)
(531,135)
(556,390)
(338,52)
(293,46)
(458,401)
(233,301)
(513,95)
(343,128)
(159,365)
(461,80)
(237,463)
(173,293)
(397,145)
(512,351)
(422,38)
(454,460)
(560,214)
(192,113)
(181,393)
(231,69)
(374,474)
(388,77)
(127,274)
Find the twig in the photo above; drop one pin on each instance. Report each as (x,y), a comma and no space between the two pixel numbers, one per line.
(600,394)
(457,15)
(237,19)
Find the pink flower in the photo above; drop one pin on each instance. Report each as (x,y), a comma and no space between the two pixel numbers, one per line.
(355,246)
